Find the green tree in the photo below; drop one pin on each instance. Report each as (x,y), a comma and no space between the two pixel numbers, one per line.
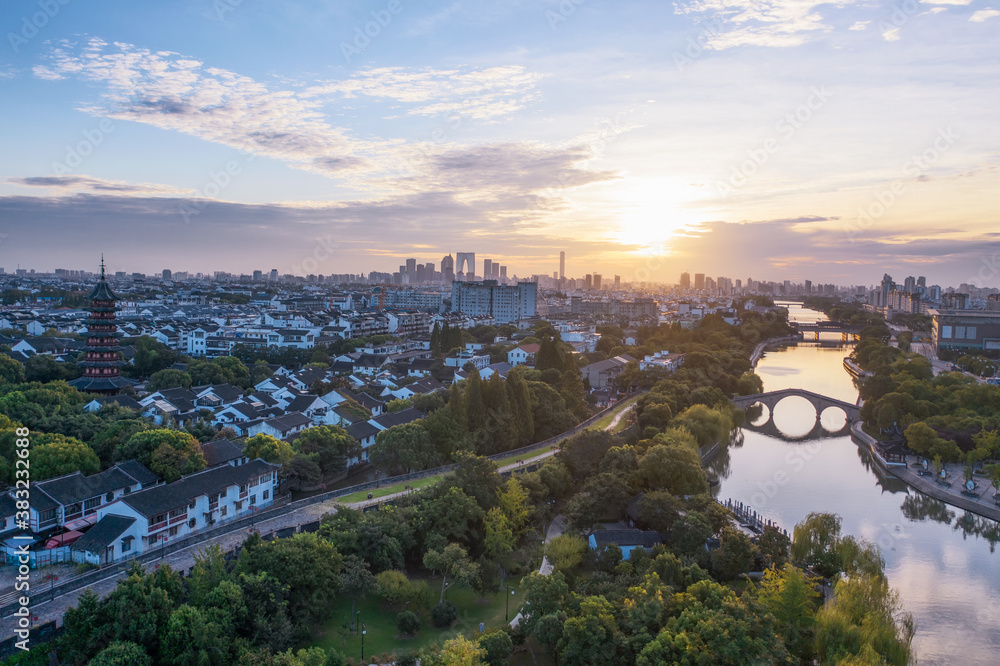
(864,619)
(565,552)
(674,468)
(543,596)
(356,581)
(191,638)
(122,653)
(815,542)
(792,600)
(773,545)
(167,453)
(63,455)
(402,449)
(452,562)
(329,446)
(592,636)
(167,379)
(308,565)
(268,448)
(11,372)
(735,554)
(497,646)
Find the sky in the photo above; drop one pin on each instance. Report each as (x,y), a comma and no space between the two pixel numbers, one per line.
(772,139)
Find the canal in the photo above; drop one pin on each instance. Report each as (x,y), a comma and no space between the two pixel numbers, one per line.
(939,558)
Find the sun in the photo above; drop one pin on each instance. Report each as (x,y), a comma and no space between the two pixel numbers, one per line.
(651,213)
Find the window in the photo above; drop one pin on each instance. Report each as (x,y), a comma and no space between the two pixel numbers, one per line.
(92,503)
(126,544)
(946,331)
(191,505)
(970,333)
(174,513)
(110,496)
(224,511)
(192,523)
(267,493)
(253,500)
(46,516)
(959,332)
(159,518)
(173,531)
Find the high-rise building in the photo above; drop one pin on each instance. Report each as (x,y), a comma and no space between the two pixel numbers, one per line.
(922,282)
(588,281)
(257,275)
(562,265)
(618,282)
(466,267)
(503,273)
(597,281)
(910,284)
(488,269)
(685,280)
(809,287)
(505,303)
(274,275)
(411,266)
(699,280)
(448,269)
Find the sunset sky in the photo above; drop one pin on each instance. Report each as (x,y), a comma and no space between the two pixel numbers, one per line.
(741,138)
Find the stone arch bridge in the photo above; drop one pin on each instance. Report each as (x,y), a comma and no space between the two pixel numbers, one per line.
(818,401)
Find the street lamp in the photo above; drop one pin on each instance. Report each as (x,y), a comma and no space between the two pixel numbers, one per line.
(52,582)
(163,550)
(363,632)
(506,612)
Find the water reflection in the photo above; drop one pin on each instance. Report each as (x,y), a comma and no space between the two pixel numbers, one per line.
(939,558)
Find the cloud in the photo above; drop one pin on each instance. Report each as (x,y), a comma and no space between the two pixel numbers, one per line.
(984,15)
(96,185)
(860,25)
(775,23)
(892,35)
(483,94)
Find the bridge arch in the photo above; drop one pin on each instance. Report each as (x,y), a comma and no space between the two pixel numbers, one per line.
(821,404)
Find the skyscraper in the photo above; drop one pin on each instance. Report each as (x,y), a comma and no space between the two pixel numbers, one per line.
(487,269)
(274,275)
(618,282)
(562,265)
(597,281)
(411,267)
(466,265)
(588,282)
(448,269)
(685,280)
(699,280)
(257,275)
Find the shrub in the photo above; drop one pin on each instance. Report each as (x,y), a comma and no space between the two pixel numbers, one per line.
(444,614)
(408,623)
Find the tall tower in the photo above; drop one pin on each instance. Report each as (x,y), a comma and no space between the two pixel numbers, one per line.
(100,366)
(562,265)
(448,269)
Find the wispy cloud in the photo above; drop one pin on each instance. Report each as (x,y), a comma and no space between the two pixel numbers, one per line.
(777,23)
(984,15)
(99,185)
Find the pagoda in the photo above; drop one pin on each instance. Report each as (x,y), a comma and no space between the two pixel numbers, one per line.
(100,366)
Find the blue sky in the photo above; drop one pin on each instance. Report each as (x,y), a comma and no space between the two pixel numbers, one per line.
(776,140)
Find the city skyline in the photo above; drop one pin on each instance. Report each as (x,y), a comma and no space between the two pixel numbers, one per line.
(289,134)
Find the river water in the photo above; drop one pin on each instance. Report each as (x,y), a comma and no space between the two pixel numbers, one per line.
(939,558)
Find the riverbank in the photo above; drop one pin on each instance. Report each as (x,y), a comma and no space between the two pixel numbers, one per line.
(758,351)
(982,505)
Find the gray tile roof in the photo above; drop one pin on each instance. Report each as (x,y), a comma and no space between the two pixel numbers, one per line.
(103,534)
(161,499)
(220,452)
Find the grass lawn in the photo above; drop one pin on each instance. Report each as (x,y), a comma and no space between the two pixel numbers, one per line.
(362,495)
(380,622)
